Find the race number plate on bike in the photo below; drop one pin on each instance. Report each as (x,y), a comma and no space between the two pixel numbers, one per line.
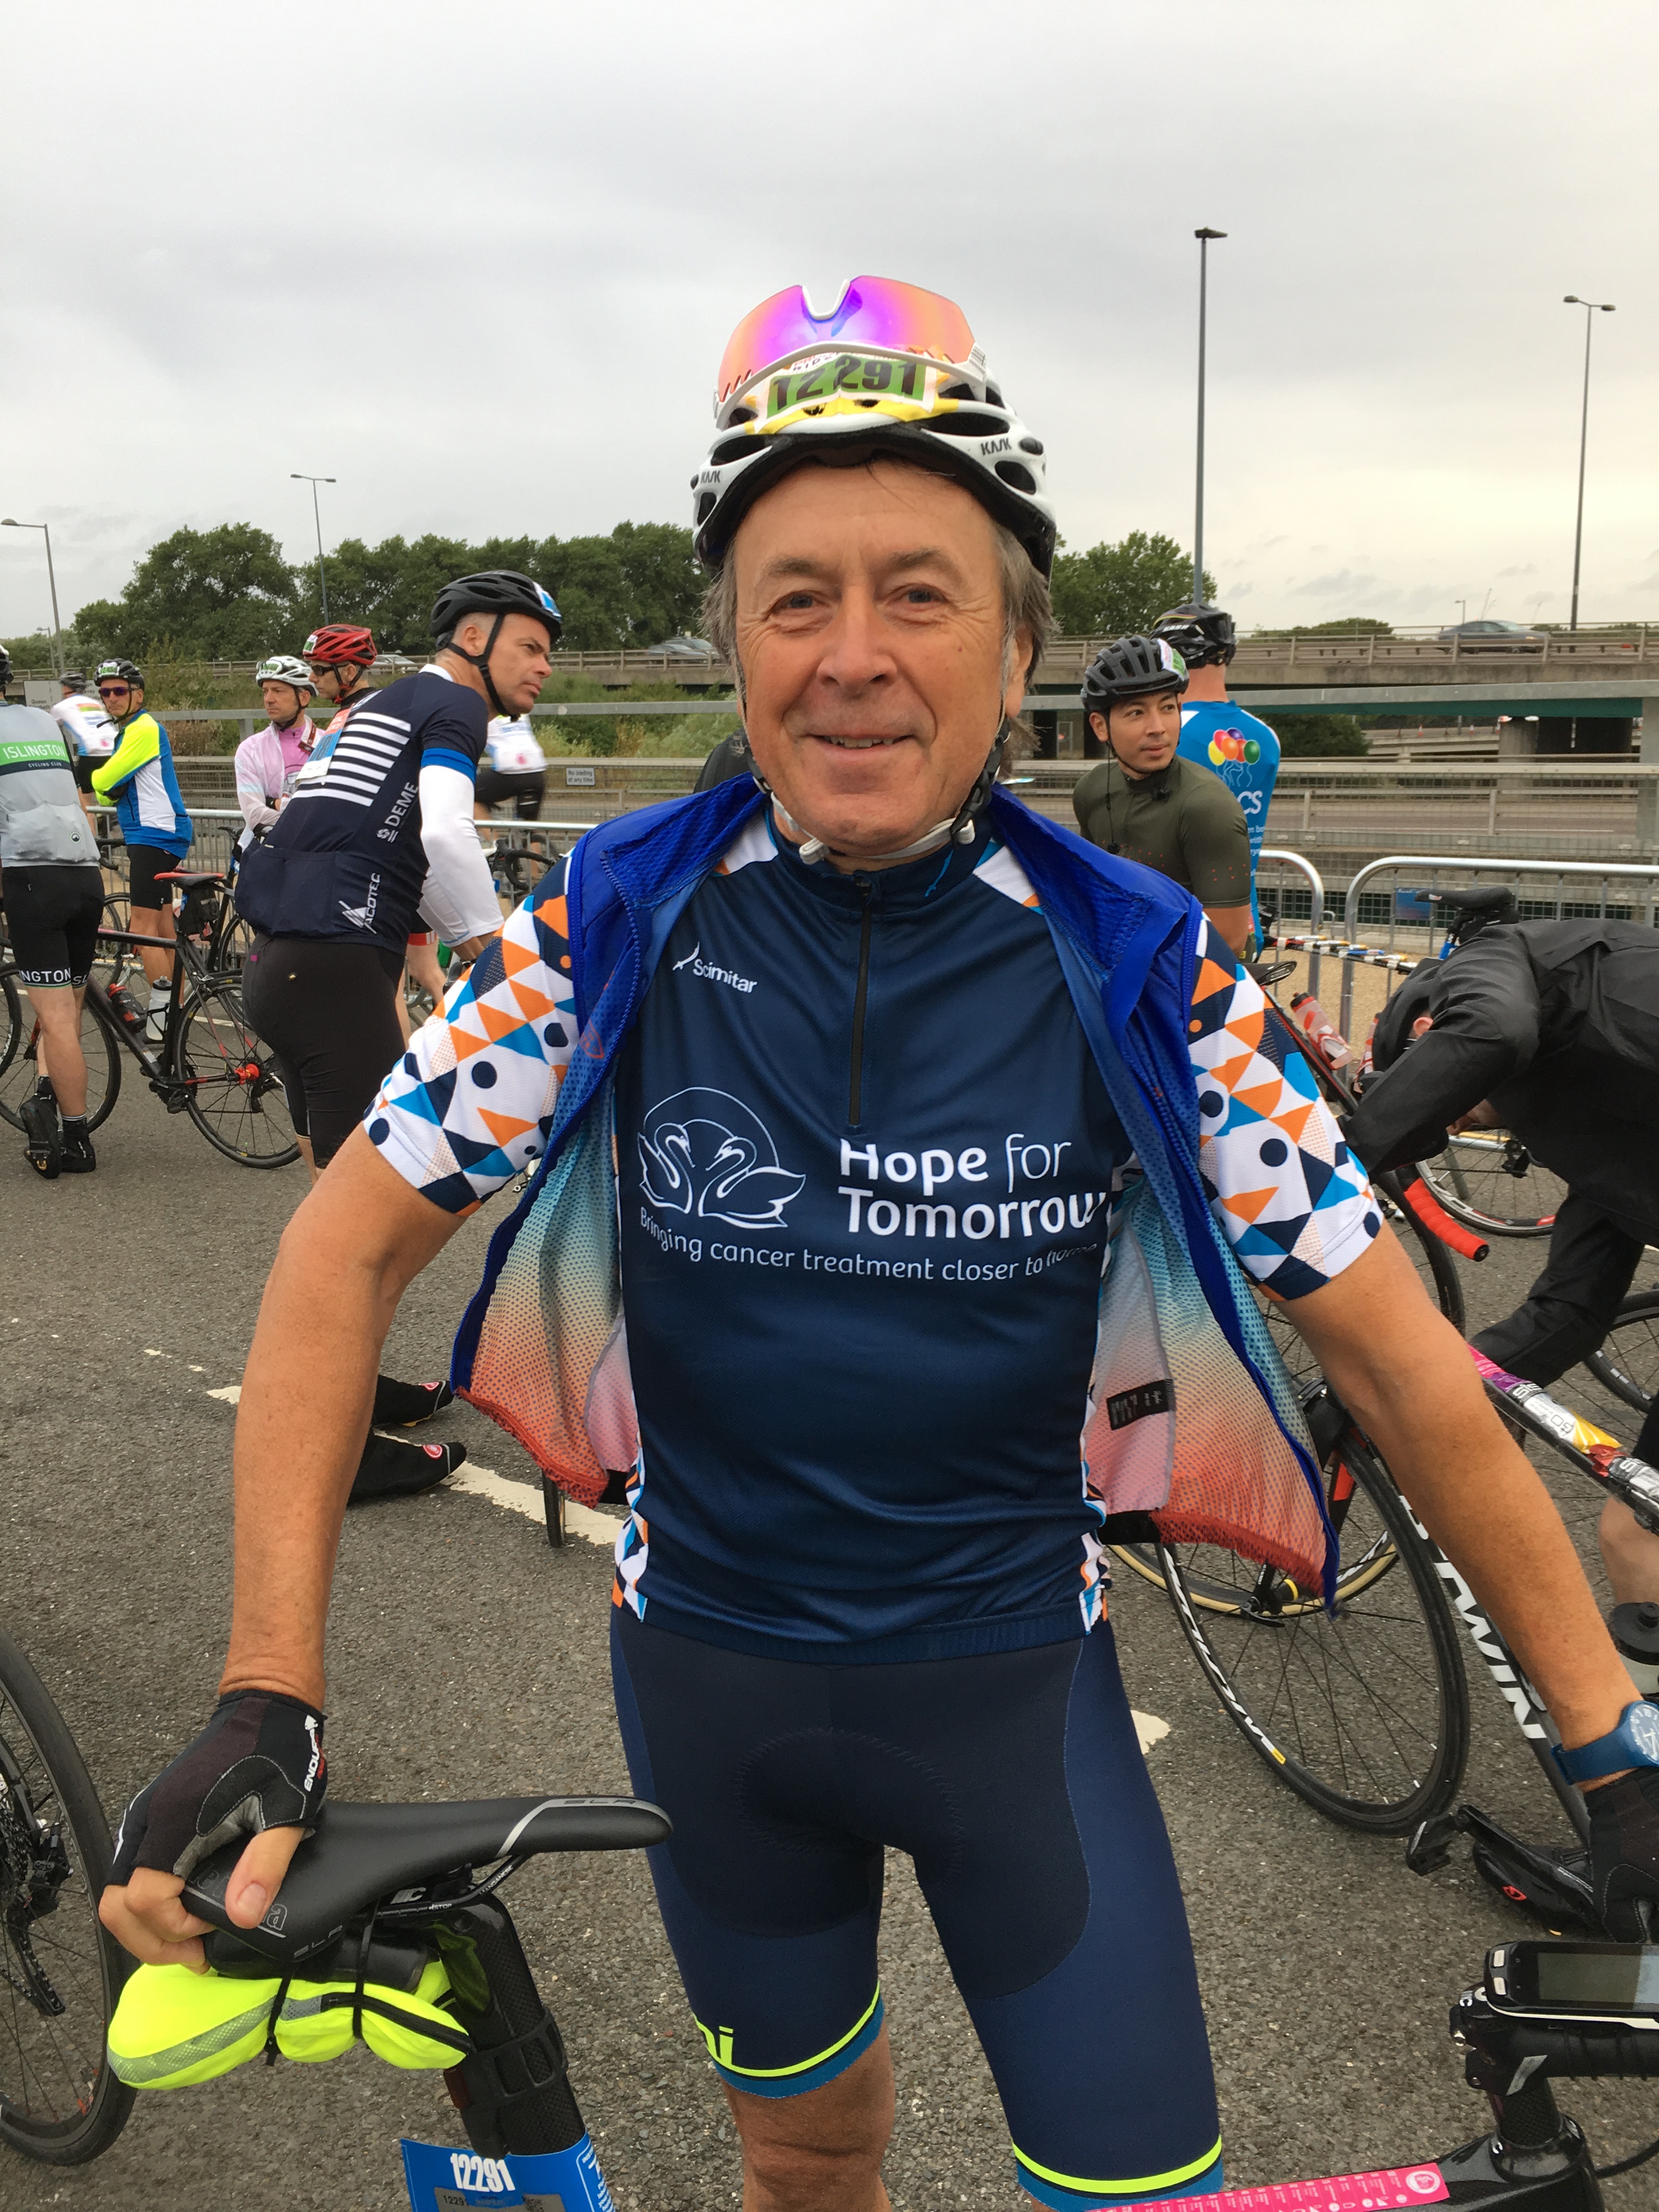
(1347,2192)
(445,2180)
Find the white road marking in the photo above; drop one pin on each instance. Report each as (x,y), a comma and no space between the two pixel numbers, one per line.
(231,1394)
(522,1497)
(1149,1728)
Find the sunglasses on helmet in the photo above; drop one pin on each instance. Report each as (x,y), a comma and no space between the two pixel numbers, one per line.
(871,311)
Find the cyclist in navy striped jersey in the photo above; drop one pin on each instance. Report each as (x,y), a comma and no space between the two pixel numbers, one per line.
(376,842)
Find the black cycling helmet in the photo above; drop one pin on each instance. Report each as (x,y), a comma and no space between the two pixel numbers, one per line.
(500,592)
(73,679)
(1201,635)
(5,667)
(124,671)
(1132,668)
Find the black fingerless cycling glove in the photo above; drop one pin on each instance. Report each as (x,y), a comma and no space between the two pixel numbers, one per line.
(258,1764)
(1623,1817)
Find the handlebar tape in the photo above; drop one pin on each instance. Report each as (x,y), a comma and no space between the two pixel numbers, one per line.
(1433,1217)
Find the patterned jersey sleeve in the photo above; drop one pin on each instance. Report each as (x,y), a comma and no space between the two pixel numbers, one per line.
(470,1102)
(1293,1201)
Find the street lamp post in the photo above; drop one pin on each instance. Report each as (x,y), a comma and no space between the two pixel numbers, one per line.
(1203,237)
(7,522)
(1591,307)
(317,515)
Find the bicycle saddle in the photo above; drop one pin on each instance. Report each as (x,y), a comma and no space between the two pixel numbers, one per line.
(188,878)
(1269,972)
(1495,900)
(365,1854)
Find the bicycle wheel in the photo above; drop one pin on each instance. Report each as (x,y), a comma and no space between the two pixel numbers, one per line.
(1628,1361)
(230,952)
(59,2100)
(112,961)
(21,1064)
(232,1090)
(1363,1713)
(1487,1179)
(11,1020)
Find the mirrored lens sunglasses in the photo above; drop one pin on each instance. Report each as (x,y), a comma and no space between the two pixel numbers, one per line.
(876,311)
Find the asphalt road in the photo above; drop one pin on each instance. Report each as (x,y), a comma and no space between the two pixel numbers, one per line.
(468,1659)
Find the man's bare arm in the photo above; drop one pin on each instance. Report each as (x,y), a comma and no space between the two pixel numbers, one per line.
(1235,923)
(1406,1376)
(346,1257)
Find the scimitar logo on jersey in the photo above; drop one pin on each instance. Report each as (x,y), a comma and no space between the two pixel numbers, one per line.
(703,1152)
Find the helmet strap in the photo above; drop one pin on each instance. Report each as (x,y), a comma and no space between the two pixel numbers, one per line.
(481,660)
(959,829)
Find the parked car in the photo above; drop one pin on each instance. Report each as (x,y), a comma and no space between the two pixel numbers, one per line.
(1491,636)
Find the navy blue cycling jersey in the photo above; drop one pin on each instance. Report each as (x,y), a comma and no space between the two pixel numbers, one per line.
(863,1160)
(345,858)
(858,1112)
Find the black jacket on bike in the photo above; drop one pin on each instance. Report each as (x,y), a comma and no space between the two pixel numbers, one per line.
(1557,1024)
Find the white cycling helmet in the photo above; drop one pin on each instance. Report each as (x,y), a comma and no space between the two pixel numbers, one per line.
(283,668)
(890,370)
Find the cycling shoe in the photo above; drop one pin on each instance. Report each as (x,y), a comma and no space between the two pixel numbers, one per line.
(45,1146)
(79,1159)
(389,1469)
(405,1405)
(1549,1880)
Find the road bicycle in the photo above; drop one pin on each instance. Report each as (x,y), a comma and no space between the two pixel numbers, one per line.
(224,943)
(378,1889)
(207,1062)
(62,1974)
(1363,1710)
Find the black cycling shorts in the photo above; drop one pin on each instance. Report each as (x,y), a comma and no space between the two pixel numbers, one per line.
(329,1012)
(1015,1784)
(524,786)
(144,863)
(52,916)
(83,765)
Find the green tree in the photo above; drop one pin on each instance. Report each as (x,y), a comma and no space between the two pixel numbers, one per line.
(1111,590)
(222,594)
(1345,626)
(1318,737)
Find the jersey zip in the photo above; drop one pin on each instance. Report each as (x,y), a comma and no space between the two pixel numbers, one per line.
(856,1087)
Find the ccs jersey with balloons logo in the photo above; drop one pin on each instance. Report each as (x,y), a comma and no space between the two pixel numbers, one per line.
(866,1168)
(1239,747)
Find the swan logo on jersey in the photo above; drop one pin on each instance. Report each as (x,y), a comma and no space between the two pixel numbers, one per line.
(704,1153)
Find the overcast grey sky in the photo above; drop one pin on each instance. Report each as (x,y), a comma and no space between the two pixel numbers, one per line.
(488,288)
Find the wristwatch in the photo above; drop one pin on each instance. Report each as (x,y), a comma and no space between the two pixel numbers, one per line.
(1634,1742)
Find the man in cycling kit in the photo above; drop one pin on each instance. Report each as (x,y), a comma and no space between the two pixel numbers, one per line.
(1147,804)
(845,1071)
(340,657)
(88,730)
(154,827)
(1549,1030)
(268,764)
(378,830)
(1216,733)
(53,890)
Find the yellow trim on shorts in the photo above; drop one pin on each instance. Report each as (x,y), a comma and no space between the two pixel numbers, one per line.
(1122,2188)
(805,2066)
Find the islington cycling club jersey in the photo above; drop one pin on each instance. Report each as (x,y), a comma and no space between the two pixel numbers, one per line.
(866,1167)
(344,859)
(1243,750)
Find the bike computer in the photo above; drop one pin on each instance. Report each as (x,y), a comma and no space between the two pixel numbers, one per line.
(1583,1980)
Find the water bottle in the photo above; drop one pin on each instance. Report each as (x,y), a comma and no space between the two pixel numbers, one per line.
(1635,1631)
(1327,1041)
(125,1007)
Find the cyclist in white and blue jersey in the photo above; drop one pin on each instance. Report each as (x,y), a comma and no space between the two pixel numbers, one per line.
(1216,732)
(901,1162)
